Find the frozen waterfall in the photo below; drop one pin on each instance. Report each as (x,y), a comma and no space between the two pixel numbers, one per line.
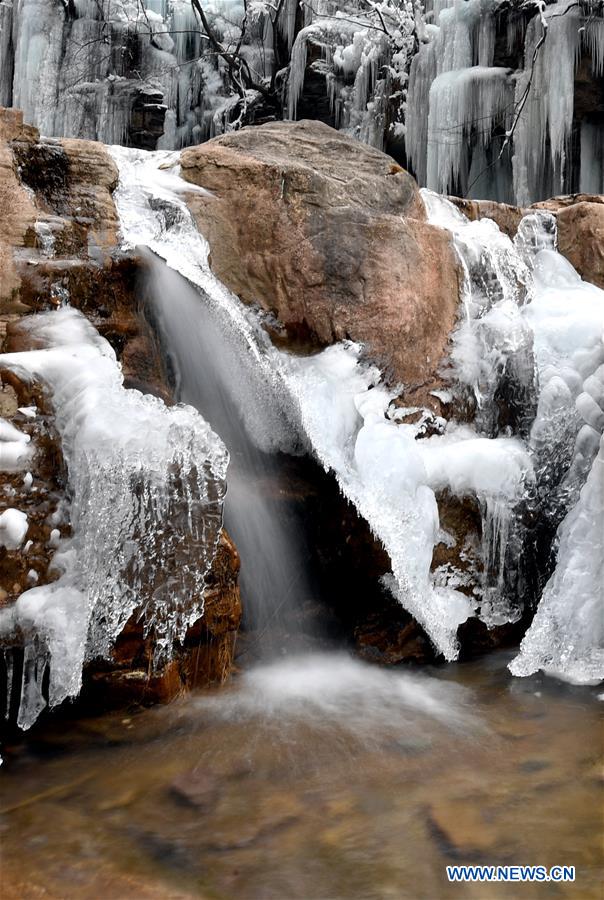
(146,485)
(516,328)
(444,86)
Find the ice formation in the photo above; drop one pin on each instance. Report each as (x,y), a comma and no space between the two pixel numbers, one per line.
(461,105)
(15,448)
(363,60)
(146,484)
(391,477)
(535,296)
(109,70)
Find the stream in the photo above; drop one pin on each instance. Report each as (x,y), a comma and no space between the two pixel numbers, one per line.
(313,777)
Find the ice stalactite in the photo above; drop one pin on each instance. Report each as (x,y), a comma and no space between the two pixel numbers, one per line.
(465,107)
(461,104)
(123,72)
(146,484)
(542,151)
(455,99)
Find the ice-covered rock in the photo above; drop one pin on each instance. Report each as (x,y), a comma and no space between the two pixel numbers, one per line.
(146,483)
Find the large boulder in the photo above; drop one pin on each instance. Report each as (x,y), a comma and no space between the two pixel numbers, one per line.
(331,236)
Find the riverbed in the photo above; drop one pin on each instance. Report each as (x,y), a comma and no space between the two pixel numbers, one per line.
(314,777)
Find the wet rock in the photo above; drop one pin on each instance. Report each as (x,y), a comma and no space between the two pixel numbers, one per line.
(463,828)
(196,788)
(331,236)
(581,238)
(505,216)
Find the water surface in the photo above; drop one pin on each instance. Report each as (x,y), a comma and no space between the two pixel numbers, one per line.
(313,777)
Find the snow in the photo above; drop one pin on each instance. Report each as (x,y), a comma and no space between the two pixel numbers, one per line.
(13,528)
(133,466)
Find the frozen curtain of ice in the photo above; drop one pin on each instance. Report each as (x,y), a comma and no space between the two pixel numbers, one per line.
(526,316)
(145,485)
(449,77)
(439,82)
(99,69)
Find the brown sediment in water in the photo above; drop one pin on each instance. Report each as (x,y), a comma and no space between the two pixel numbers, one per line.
(206,799)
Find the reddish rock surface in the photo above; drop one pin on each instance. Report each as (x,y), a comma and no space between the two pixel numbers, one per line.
(331,236)
(581,238)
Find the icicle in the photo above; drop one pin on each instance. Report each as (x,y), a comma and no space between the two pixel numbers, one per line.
(464,104)
(495,608)
(32,700)
(9,666)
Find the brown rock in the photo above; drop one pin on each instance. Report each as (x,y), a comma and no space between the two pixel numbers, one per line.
(463,827)
(197,788)
(331,236)
(18,211)
(505,216)
(581,238)
(555,204)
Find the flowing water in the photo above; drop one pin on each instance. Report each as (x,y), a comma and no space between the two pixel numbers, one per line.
(314,777)
(217,376)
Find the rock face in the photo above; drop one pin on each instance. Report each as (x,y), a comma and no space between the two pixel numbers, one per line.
(331,236)
(581,235)
(580,219)
(58,243)
(506,217)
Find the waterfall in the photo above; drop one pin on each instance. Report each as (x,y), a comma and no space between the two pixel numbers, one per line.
(217,374)
(530,331)
(226,367)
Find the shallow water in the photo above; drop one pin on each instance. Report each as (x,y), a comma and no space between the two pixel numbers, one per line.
(315,777)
